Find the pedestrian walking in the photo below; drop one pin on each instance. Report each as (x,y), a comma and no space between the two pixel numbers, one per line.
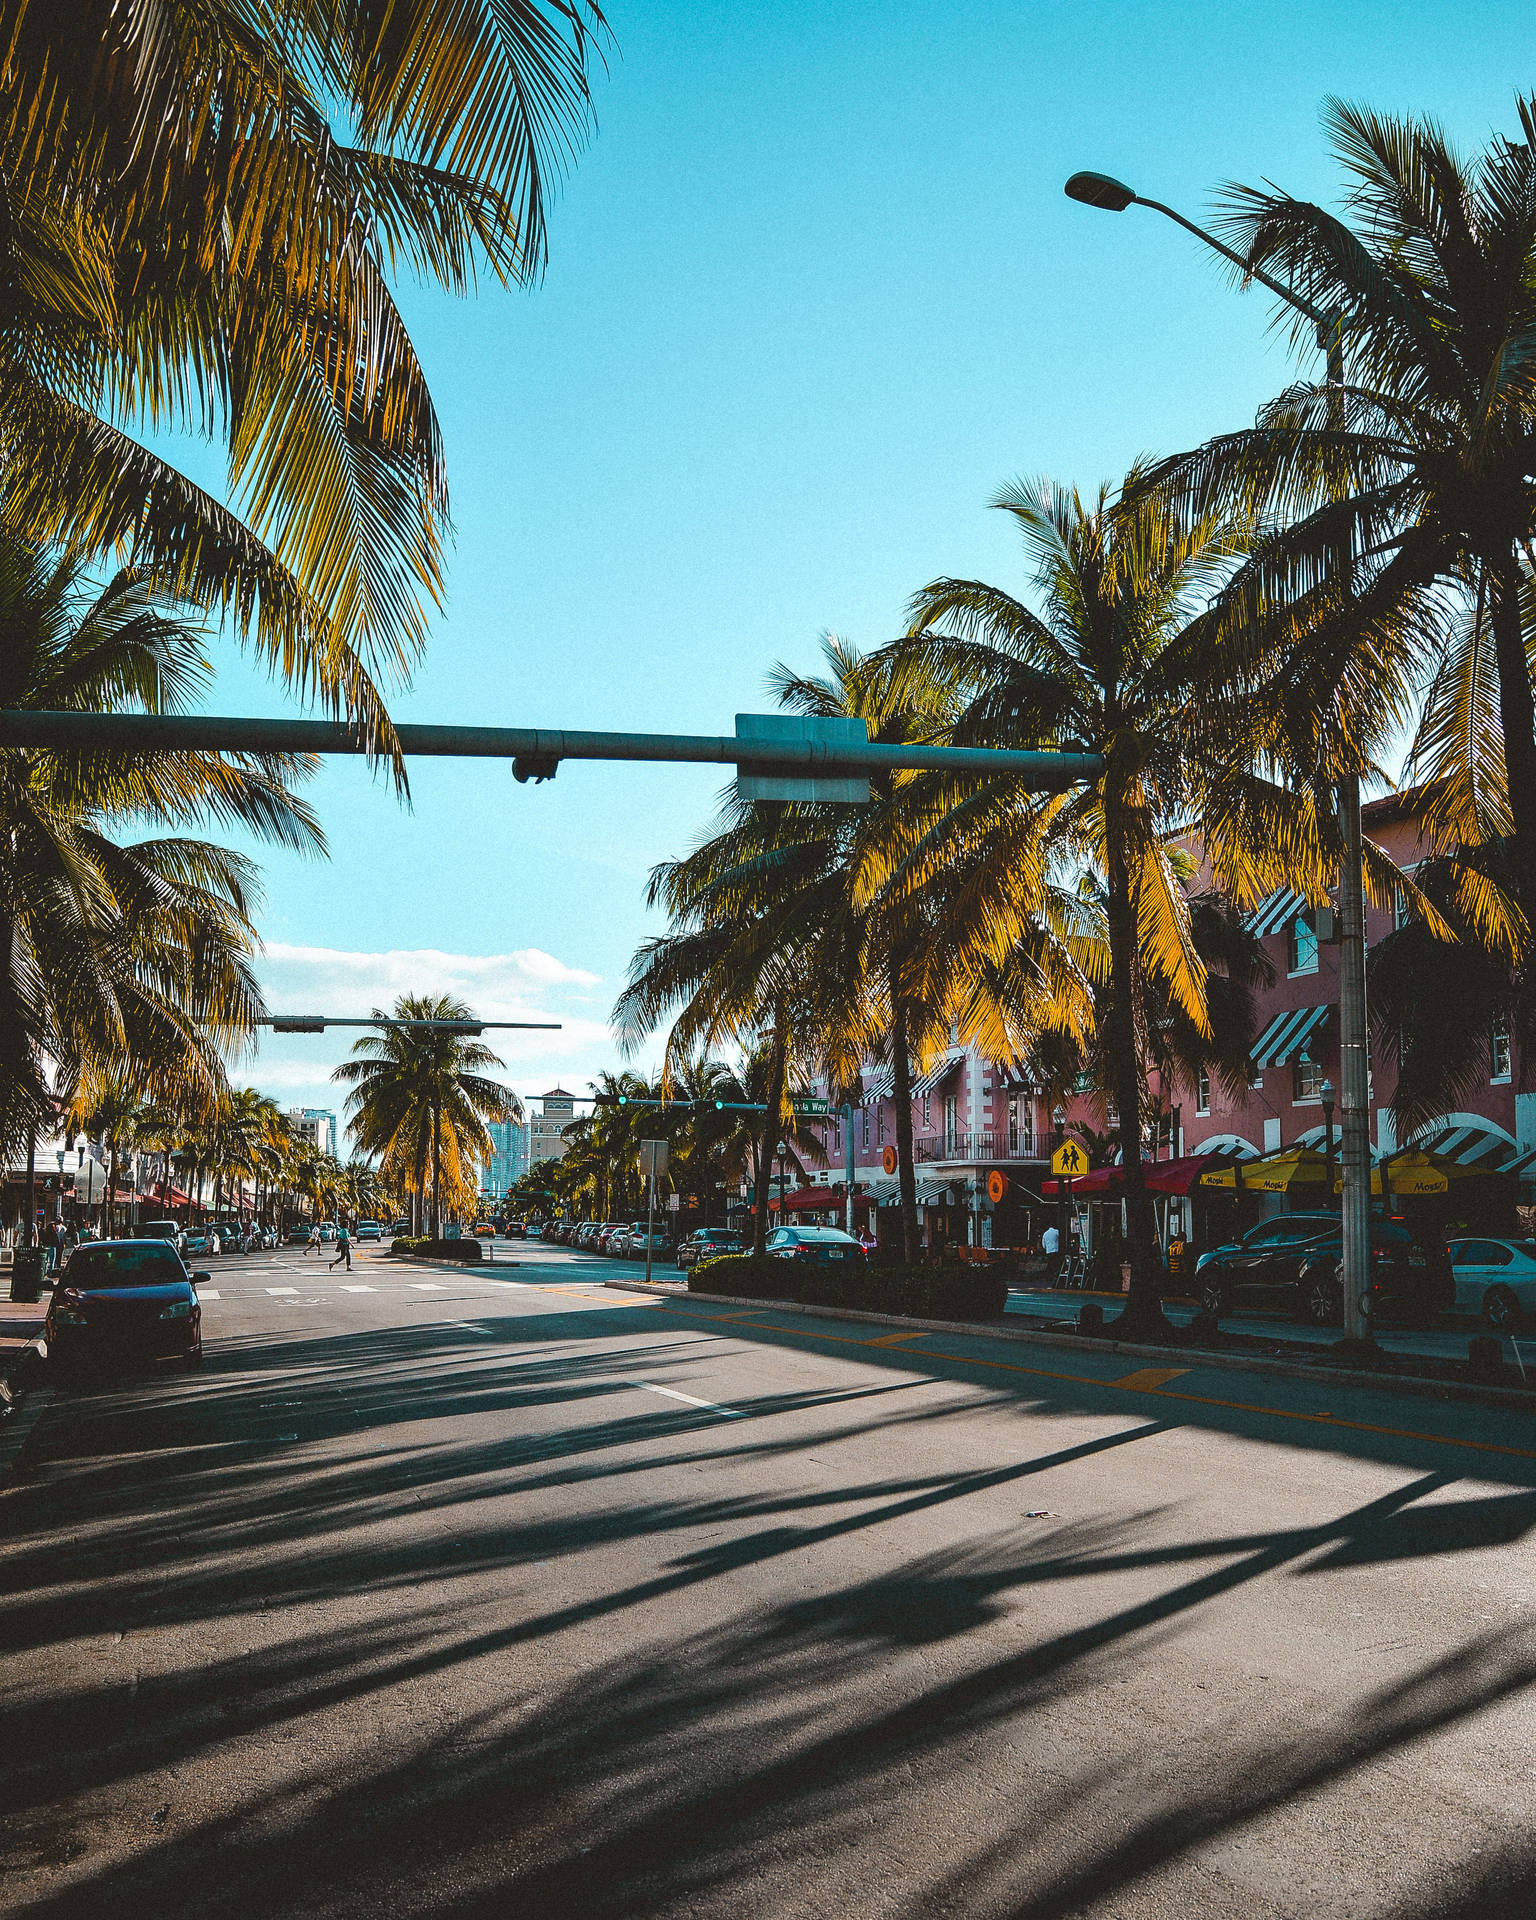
(343,1250)
(314,1240)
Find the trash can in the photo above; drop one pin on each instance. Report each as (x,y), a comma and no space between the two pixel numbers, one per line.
(27,1273)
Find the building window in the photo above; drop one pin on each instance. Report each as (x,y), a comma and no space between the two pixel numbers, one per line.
(866,1128)
(1306,1079)
(1256,1079)
(1202,1091)
(1400,913)
(926,1121)
(880,1123)
(1013,1123)
(1498,1050)
(837,1135)
(1303,945)
(951,1120)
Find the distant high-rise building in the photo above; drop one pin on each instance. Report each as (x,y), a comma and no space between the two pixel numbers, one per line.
(509,1160)
(317,1124)
(557,1111)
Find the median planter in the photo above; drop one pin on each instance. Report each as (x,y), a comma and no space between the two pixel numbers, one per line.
(923,1293)
(429,1249)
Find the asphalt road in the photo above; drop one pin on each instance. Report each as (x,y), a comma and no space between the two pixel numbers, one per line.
(464,1594)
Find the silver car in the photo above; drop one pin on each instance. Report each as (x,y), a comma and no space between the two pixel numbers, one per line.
(1496,1278)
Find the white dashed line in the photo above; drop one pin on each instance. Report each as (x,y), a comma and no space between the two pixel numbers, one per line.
(729,1413)
(427,1286)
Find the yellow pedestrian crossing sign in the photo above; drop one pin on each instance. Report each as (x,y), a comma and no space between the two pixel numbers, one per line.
(1069,1159)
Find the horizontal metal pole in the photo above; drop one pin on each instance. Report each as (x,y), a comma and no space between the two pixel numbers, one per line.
(186,733)
(320,1020)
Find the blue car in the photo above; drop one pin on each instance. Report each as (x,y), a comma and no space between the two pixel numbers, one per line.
(124,1303)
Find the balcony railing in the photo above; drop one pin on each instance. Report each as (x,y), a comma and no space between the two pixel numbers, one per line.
(1001,1143)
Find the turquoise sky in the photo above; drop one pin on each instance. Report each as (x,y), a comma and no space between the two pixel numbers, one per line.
(814,295)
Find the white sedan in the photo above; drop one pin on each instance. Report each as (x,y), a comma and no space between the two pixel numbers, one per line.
(1496,1278)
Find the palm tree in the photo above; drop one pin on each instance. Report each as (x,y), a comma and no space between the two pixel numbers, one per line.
(420,1104)
(1426,485)
(207,206)
(122,960)
(114,1112)
(1122,659)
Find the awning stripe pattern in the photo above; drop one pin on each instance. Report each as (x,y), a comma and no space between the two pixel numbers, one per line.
(878,1088)
(1478,1147)
(1276,912)
(1287,1034)
(935,1076)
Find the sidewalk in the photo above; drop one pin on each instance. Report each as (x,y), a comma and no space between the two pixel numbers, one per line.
(21,1328)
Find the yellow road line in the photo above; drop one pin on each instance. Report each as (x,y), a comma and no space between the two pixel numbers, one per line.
(1162,1393)
(1148,1378)
(895,1339)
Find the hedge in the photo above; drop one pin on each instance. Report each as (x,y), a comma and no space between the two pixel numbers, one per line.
(923,1293)
(426,1248)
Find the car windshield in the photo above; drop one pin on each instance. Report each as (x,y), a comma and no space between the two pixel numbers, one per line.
(820,1233)
(93,1268)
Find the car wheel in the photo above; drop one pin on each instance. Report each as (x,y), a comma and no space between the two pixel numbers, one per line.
(1323,1295)
(1502,1310)
(1213,1297)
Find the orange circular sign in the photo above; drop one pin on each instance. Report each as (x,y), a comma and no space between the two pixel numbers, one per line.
(997,1186)
(888,1159)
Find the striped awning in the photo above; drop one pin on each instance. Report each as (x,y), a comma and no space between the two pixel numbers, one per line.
(1481,1148)
(879,1087)
(936,1076)
(1276,912)
(1287,1034)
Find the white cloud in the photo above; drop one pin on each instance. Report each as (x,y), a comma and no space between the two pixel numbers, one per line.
(528,984)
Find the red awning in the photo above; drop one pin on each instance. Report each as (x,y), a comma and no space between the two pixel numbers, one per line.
(1161,1176)
(808,1200)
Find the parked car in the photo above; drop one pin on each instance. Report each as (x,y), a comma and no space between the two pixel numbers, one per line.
(298,1236)
(1291,1264)
(1496,1278)
(160,1230)
(125,1302)
(814,1243)
(613,1240)
(704,1243)
(398,1227)
(196,1243)
(367,1230)
(659,1239)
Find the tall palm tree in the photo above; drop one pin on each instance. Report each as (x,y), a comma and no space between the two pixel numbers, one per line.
(207,204)
(1426,485)
(420,1102)
(112,1111)
(125,958)
(1122,659)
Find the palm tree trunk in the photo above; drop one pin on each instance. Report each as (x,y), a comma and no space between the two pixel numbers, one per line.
(778,1061)
(1517,714)
(1143,1308)
(901,1094)
(111,1233)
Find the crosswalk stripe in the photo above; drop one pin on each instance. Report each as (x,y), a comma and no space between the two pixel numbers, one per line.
(282,1289)
(207,1293)
(428,1286)
(359,1289)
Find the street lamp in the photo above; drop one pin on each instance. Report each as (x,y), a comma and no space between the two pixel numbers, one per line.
(1114,196)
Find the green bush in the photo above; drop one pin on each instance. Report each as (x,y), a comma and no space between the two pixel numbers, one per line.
(426,1248)
(923,1293)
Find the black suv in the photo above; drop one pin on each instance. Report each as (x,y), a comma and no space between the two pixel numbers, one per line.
(1291,1264)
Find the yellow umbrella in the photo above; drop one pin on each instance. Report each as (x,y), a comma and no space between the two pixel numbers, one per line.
(1275,1173)
(1416,1172)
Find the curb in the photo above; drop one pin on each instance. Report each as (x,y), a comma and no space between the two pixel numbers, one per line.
(1413,1385)
(22,1405)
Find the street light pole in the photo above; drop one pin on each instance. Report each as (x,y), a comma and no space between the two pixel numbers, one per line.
(1102,190)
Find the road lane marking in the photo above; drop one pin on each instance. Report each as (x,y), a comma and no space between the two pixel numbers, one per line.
(1163,1393)
(728,1413)
(895,1339)
(1146,1378)
(426,1286)
(347,1289)
(208,1293)
(282,1289)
